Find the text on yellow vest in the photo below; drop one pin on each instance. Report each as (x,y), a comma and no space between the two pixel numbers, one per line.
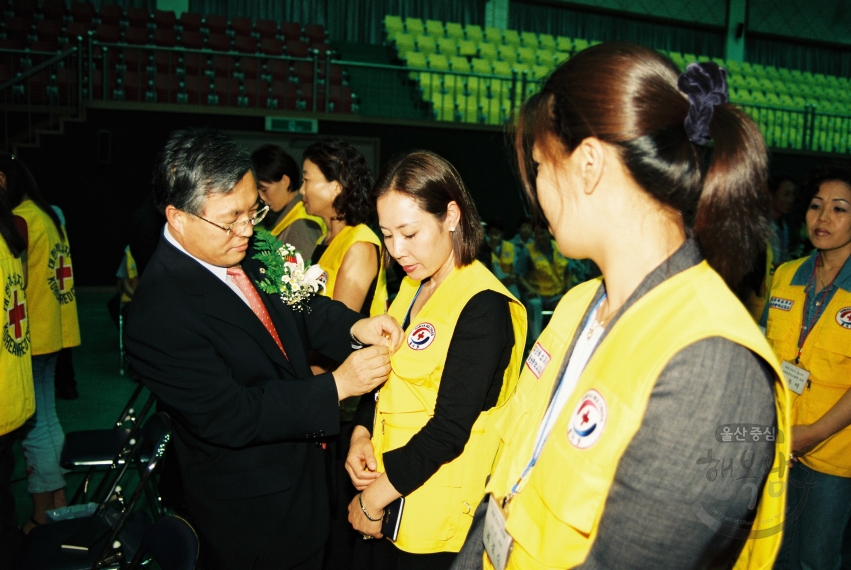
(16,377)
(51,296)
(826,355)
(554,519)
(438,515)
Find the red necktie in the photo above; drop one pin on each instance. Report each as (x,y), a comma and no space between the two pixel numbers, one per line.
(255,302)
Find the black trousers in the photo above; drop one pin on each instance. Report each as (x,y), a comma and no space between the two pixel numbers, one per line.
(11,539)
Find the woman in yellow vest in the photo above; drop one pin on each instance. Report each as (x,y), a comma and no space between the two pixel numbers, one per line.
(17,398)
(646,427)
(278,181)
(52,314)
(336,181)
(428,435)
(808,323)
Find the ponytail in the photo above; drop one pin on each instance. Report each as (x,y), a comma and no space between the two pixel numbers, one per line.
(731,223)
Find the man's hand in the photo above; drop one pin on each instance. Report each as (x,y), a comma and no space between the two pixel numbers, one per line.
(360,462)
(362,371)
(382,330)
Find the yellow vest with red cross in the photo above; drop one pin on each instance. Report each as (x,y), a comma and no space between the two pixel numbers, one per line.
(826,355)
(332,260)
(51,297)
(547,277)
(298,213)
(555,517)
(17,398)
(438,515)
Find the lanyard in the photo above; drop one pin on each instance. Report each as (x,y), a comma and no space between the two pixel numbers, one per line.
(820,307)
(407,321)
(543,435)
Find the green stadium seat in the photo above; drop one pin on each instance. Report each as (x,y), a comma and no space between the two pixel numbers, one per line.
(689,58)
(393,24)
(434,28)
(520,67)
(560,57)
(547,42)
(773,99)
(426,44)
(488,52)
(757,70)
(416,59)
(529,40)
(468,48)
(747,69)
(820,79)
(447,46)
(595,42)
(786,100)
(507,53)
(771,72)
(564,44)
(429,83)
(438,62)
(544,57)
(579,44)
(733,66)
(493,35)
(527,55)
(678,60)
(482,66)
(752,83)
(784,73)
(719,61)
(468,107)
(474,33)
(511,37)
(404,43)
(414,26)
(460,64)
(737,81)
(455,30)
(799,102)
(443,105)
(540,71)
(502,68)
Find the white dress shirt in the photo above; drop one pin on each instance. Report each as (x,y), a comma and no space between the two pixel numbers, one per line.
(220,272)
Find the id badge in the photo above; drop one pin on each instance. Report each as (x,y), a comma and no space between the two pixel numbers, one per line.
(796,377)
(497,540)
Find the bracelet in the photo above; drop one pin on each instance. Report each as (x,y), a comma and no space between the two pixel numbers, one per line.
(356,344)
(360,500)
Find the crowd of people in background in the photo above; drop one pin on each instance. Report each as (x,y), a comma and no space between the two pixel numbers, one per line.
(453,397)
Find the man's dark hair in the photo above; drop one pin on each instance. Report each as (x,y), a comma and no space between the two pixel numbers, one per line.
(195,163)
(272,163)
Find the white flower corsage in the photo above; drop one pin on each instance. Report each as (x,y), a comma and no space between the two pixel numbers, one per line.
(286,273)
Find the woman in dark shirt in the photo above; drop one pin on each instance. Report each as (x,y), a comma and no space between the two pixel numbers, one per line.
(465,335)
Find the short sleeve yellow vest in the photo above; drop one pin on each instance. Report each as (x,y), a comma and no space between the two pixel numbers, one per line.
(554,519)
(51,297)
(17,399)
(438,515)
(826,355)
(332,259)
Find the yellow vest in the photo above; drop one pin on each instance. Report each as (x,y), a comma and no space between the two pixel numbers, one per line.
(17,398)
(505,258)
(547,278)
(332,259)
(554,519)
(826,355)
(51,297)
(756,302)
(298,213)
(132,272)
(438,515)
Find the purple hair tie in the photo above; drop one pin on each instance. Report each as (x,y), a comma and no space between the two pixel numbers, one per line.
(706,86)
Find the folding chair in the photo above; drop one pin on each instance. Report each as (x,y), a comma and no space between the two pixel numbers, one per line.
(171,542)
(104,447)
(94,536)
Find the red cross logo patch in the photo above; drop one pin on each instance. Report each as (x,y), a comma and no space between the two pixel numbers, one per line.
(421,337)
(16,332)
(60,275)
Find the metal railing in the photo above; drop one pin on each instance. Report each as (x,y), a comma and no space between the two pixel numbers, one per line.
(156,74)
(45,86)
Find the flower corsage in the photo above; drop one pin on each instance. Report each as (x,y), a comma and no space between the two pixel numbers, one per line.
(286,273)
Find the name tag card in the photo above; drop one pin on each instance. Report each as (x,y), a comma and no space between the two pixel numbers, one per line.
(795,376)
(497,540)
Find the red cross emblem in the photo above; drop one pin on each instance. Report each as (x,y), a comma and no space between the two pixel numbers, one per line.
(16,315)
(63,272)
(585,418)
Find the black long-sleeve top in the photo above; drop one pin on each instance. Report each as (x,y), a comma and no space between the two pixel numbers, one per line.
(478,355)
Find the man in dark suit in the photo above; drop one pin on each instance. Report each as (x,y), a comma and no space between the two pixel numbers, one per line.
(230,364)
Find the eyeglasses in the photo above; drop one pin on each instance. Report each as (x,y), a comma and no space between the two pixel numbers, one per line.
(238,226)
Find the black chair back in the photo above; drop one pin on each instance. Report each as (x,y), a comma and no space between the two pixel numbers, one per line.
(171,542)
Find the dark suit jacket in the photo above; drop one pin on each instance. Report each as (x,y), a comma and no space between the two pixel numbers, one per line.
(247,421)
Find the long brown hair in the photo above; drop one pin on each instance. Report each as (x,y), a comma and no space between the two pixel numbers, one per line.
(627,95)
(432,182)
